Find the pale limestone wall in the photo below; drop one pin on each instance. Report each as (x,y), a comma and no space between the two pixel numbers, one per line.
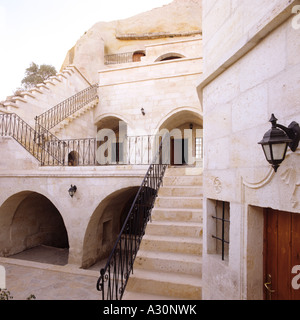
(19,173)
(245,81)
(45,96)
(161,88)
(231,24)
(188,48)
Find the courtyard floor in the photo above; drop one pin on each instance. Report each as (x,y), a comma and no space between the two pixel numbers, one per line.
(43,272)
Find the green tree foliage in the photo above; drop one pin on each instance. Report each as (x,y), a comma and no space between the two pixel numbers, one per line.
(36,74)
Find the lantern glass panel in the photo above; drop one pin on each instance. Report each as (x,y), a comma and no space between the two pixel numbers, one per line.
(267,151)
(279,151)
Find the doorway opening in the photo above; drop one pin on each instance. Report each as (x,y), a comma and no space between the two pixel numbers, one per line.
(186,138)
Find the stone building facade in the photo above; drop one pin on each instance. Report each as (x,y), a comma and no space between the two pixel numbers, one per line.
(255,74)
(220,91)
(143,86)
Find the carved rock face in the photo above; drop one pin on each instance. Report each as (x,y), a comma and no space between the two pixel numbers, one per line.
(179,18)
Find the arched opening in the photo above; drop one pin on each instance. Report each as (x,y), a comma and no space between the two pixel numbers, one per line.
(73,159)
(104,227)
(111,137)
(137,56)
(169,56)
(31,228)
(186,138)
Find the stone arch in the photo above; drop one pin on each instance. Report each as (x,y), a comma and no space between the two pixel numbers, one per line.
(169,56)
(111,137)
(186,142)
(73,159)
(105,225)
(179,115)
(29,219)
(105,117)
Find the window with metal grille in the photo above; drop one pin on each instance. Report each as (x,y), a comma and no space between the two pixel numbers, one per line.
(222,225)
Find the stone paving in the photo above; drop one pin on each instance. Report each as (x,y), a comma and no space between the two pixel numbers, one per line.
(48,281)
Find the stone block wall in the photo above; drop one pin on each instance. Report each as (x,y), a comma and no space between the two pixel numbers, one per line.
(159,88)
(251,70)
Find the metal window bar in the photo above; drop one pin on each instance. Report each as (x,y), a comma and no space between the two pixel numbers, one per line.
(223,221)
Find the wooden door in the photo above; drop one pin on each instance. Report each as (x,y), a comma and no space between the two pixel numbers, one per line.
(179,151)
(281,255)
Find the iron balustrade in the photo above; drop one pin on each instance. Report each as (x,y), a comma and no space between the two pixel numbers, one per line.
(125,57)
(115,275)
(51,151)
(40,142)
(63,110)
(12,125)
(136,150)
(119,58)
(79,152)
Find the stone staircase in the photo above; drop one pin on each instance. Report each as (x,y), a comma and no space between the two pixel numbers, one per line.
(169,263)
(63,124)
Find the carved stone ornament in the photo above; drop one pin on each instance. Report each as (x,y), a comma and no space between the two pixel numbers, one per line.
(290,175)
(217,185)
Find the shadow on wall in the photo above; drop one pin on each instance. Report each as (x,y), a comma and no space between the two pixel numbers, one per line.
(105,226)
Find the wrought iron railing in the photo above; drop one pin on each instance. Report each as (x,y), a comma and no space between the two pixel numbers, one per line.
(115,275)
(136,150)
(119,58)
(63,110)
(41,143)
(51,151)
(12,125)
(125,57)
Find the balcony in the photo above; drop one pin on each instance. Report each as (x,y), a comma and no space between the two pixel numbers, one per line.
(126,57)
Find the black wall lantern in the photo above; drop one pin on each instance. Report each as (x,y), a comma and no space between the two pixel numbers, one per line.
(72,191)
(278,139)
(143,111)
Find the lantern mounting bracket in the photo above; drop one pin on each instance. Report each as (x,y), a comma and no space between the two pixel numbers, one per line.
(276,141)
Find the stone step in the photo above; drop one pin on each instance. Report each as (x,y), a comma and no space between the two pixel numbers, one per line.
(184,191)
(188,245)
(173,228)
(188,215)
(184,171)
(182,181)
(169,262)
(179,202)
(165,284)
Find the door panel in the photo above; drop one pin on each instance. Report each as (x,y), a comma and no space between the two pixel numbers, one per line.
(179,151)
(295,250)
(281,254)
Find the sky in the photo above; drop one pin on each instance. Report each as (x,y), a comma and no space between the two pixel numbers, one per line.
(43,31)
